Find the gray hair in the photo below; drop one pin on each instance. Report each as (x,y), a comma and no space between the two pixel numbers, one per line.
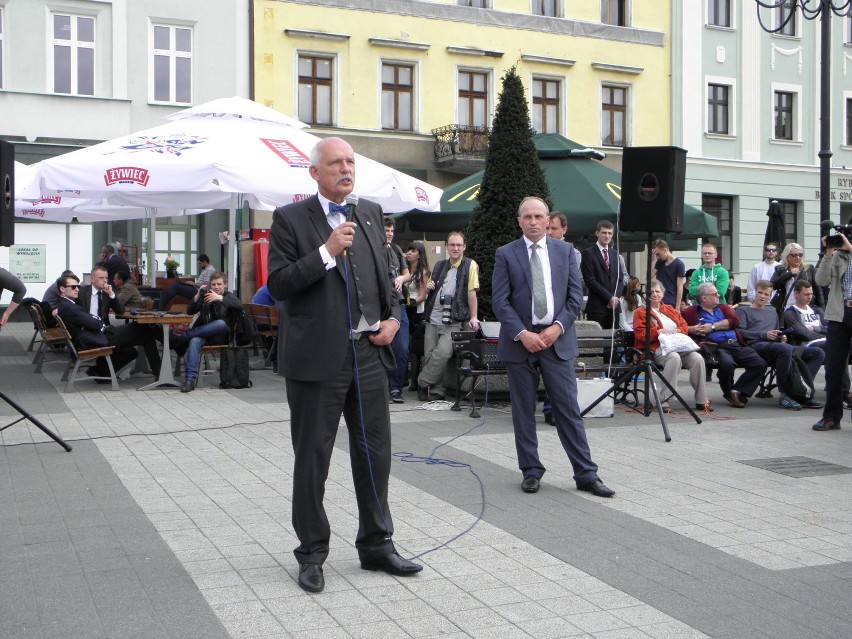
(656,282)
(704,289)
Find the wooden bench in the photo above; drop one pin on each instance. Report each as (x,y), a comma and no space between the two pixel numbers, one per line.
(87,357)
(477,358)
(265,319)
(50,338)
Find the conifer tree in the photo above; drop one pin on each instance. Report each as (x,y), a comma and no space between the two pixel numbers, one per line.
(512,172)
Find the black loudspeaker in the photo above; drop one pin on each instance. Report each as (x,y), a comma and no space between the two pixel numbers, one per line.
(652,189)
(7,193)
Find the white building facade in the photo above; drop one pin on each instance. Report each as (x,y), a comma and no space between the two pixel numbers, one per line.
(746,107)
(78,72)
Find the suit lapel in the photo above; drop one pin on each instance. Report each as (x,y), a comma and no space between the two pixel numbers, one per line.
(522,255)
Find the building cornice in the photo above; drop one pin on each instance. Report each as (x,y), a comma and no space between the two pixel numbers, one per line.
(399,44)
(617,68)
(495,18)
(544,59)
(317,35)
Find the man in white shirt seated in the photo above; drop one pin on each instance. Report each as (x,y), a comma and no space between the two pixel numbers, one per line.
(185,289)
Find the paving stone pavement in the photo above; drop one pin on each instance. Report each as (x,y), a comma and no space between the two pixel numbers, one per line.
(171,518)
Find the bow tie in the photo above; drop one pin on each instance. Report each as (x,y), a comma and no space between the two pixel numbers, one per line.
(334,209)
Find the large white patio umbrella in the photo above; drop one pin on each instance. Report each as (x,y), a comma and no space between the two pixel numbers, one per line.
(213,158)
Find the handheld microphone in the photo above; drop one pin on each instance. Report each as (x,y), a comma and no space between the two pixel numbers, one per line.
(351,203)
(827,225)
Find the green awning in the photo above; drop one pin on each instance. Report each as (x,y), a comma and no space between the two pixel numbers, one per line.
(585,190)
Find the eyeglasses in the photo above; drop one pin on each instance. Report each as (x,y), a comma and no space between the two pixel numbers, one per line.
(771,250)
(711,294)
(74,286)
(796,254)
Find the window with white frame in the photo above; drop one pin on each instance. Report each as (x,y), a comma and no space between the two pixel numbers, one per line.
(2,47)
(473,98)
(789,209)
(171,64)
(73,54)
(397,96)
(722,208)
(719,13)
(719,109)
(614,115)
(785,18)
(316,89)
(546,104)
(848,136)
(614,12)
(784,115)
(549,8)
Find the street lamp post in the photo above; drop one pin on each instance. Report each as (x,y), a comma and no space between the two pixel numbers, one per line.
(811,10)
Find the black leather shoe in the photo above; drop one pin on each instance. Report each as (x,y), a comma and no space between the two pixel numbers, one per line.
(530,484)
(392,564)
(735,399)
(310,577)
(812,403)
(548,418)
(396,397)
(597,488)
(188,387)
(826,424)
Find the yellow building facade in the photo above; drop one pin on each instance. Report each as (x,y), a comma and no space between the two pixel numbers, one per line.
(388,75)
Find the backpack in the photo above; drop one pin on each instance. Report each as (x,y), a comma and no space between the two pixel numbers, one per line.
(801,383)
(243,329)
(234,368)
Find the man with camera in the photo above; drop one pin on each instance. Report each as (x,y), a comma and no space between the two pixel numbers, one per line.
(216,308)
(450,303)
(399,276)
(759,327)
(834,272)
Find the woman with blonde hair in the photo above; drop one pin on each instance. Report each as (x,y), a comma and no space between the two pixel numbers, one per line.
(792,269)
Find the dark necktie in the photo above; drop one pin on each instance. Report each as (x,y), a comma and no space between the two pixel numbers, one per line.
(606,258)
(539,293)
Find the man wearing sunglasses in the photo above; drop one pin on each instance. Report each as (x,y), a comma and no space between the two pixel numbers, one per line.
(89,328)
(763,270)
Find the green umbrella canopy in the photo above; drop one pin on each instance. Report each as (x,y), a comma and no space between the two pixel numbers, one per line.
(585,190)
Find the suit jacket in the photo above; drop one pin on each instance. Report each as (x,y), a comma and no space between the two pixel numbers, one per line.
(511,297)
(86,329)
(316,326)
(603,284)
(84,299)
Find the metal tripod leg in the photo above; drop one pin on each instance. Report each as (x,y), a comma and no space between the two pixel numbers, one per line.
(27,415)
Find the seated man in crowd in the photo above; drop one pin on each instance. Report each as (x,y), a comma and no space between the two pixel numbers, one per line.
(708,320)
(217,309)
(809,328)
(87,320)
(759,327)
(51,294)
(128,293)
(188,290)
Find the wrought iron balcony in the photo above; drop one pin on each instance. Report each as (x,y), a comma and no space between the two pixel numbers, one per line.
(461,147)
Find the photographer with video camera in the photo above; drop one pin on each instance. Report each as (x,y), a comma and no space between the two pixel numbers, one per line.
(834,271)
(216,308)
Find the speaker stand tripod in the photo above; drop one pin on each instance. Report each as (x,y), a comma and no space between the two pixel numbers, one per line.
(647,368)
(27,415)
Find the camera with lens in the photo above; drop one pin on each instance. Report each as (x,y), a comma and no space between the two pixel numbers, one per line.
(835,241)
(202,292)
(446,309)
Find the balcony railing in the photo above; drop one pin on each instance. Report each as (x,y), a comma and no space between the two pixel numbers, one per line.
(460,142)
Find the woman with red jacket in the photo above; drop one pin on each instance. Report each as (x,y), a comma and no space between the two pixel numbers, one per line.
(665,319)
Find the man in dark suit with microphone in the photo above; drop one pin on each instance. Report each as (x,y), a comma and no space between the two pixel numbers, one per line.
(321,254)
(536,296)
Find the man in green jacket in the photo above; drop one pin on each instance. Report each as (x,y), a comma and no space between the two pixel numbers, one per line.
(709,272)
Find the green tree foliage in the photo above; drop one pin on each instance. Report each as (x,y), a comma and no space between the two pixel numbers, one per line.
(512,172)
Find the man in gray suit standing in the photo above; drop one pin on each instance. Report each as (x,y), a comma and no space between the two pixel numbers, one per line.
(536,296)
(328,264)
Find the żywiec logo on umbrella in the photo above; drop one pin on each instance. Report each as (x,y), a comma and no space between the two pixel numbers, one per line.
(48,200)
(33,212)
(126,175)
(288,152)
